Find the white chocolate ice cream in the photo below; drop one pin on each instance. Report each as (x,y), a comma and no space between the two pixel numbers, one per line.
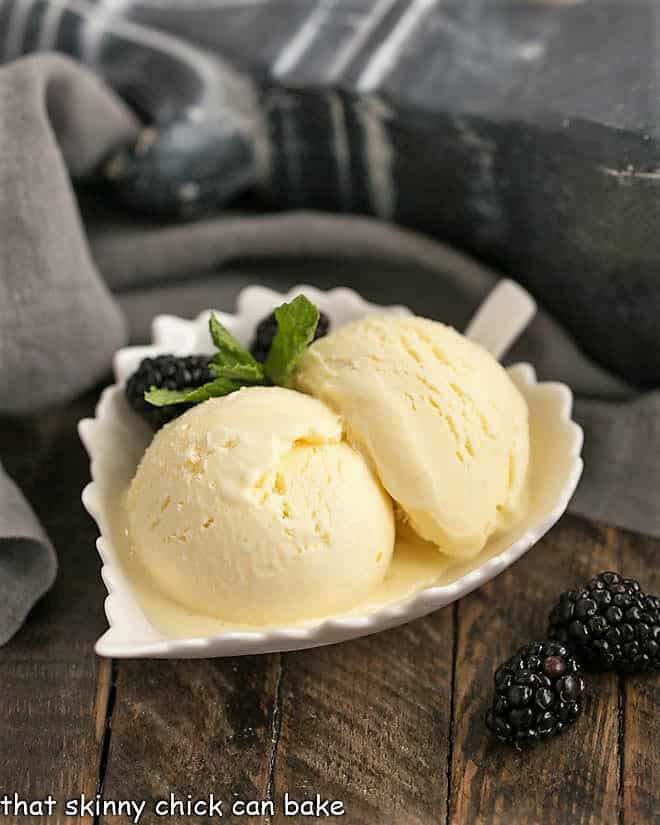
(254,508)
(438,418)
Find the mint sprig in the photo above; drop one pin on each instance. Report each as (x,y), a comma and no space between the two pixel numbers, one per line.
(195,395)
(229,350)
(232,360)
(296,325)
(233,367)
(248,373)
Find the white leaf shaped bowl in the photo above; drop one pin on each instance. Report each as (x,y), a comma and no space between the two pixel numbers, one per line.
(116,438)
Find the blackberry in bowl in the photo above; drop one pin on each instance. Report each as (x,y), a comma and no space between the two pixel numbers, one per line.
(168,372)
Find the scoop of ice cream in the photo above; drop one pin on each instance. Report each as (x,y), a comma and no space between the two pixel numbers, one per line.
(437,416)
(253,508)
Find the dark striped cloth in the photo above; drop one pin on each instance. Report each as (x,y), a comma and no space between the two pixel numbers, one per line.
(523,132)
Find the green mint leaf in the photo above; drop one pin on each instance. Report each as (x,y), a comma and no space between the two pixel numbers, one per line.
(233,366)
(194,395)
(250,373)
(229,350)
(296,325)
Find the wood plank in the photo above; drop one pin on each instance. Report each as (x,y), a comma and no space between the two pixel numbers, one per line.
(572,778)
(367,723)
(640,559)
(191,727)
(53,686)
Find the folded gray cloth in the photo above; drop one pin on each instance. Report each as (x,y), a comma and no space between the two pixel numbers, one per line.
(27,560)
(53,304)
(60,324)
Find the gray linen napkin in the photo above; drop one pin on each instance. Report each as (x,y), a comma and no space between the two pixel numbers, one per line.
(60,324)
(27,560)
(54,305)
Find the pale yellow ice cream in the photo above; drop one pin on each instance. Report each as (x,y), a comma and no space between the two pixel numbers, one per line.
(437,416)
(254,508)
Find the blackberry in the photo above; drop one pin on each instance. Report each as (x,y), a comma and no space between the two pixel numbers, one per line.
(610,624)
(169,372)
(267,328)
(538,693)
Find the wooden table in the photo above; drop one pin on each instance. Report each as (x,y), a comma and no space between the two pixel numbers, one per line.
(390,725)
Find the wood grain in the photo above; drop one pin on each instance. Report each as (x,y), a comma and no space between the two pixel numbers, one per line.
(573,778)
(640,559)
(367,723)
(191,727)
(49,715)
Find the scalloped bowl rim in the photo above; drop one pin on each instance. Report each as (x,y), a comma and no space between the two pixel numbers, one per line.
(174,334)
